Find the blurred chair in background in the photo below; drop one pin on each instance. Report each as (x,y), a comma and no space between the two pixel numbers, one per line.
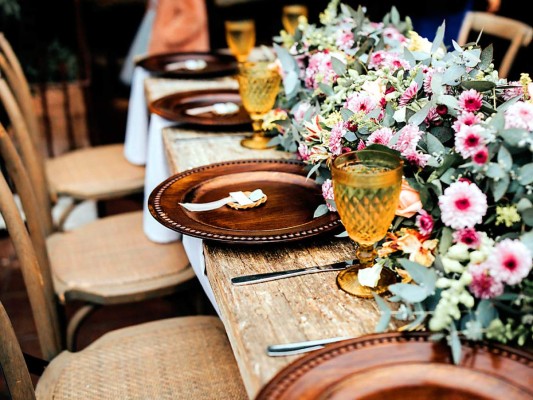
(516,32)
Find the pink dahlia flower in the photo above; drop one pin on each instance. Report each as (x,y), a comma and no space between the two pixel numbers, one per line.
(484,285)
(424,222)
(470,100)
(303,152)
(466,118)
(409,94)
(481,156)
(462,205)
(409,136)
(468,236)
(510,261)
(335,138)
(327,193)
(469,140)
(381,136)
(360,102)
(519,115)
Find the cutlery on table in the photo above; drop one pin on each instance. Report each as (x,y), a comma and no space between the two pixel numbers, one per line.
(290,349)
(217,108)
(237,197)
(271,276)
(191,65)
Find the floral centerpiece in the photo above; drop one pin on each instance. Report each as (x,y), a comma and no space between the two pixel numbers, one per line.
(462,241)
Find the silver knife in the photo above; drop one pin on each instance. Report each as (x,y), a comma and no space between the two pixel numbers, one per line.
(289,349)
(271,276)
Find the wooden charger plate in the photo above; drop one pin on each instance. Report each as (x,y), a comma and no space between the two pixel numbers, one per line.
(396,366)
(216,65)
(287,215)
(174,107)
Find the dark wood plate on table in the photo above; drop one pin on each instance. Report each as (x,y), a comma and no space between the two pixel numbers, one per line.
(287,215)
(216,65)
(174,107)
(396,366)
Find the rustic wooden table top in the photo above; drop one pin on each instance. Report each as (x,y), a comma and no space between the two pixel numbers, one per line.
(289,310)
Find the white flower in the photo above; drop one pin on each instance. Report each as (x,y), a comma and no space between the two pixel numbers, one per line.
(462,205)
(370,276)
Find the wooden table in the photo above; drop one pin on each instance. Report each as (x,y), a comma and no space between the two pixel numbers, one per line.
(282,311)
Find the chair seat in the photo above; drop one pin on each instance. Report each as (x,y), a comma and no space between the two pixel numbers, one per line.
(178,358)
(99,172)
(111,258)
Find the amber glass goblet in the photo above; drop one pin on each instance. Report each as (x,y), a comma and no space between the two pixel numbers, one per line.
(240,36)
(366,185)
(290,15)
(258,86)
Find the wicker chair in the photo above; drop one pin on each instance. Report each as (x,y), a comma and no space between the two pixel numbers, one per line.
(93,173)
(517,32)
(108,261)
(179,358)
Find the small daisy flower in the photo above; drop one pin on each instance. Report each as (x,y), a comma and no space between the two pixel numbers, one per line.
(468,236)
(470,100)
(510,261)
(466,118)
(469,140)
(327,193)
(462,205)
(360,102)
(484,285)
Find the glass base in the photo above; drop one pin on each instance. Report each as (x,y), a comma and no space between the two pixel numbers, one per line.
(257,142)
(347,280)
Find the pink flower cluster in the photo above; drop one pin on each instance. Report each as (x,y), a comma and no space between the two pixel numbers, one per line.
(388,59)
(327,193)
(509,263)
(320,70)
(519,115)
(470,140)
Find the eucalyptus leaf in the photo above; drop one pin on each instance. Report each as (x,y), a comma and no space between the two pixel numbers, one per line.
(523,204)
(346,114)
(505,159)
(508,103)
(525,174)
(438,40)
(513,136)
(350,136)
(447,176)
(420,316)
(455,344)
(380,147)
(409,57)
(426,277)
(313,170)
(449,101)
(527,216)
(409,293)
(527,240)
(442,133)
(495,171)
(445,240)
(342,234)
(480,86)
(420,115)
(434,145)
(321,210)
(275,141)
(472,57)
(338,66)
(499,187)
(486,57)
(486,312)
(326,89)
(452,75)
(383,322)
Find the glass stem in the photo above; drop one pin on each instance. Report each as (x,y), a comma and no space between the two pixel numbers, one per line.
(257,125)
(366,254)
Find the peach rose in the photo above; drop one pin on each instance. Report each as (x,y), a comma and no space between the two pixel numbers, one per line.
(410,202)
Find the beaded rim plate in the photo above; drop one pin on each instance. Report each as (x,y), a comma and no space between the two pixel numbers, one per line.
(286,216)
(216,65)
(404,366)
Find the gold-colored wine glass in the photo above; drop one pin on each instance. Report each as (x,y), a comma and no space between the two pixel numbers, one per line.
(290,16)
(366,185)
(259,84)
(240,36)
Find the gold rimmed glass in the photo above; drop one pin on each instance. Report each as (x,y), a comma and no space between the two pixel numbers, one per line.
(290,15)
(367,186)
(258,86)
(240,36)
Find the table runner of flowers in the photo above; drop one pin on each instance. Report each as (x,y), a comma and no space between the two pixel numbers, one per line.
(462,240)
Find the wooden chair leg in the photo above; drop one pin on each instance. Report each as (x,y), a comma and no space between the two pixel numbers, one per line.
(60,226)
(75,322)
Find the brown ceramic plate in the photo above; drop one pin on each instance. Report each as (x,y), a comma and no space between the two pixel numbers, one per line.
(287,215)
(215,65)
(396,366)
(174,107)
